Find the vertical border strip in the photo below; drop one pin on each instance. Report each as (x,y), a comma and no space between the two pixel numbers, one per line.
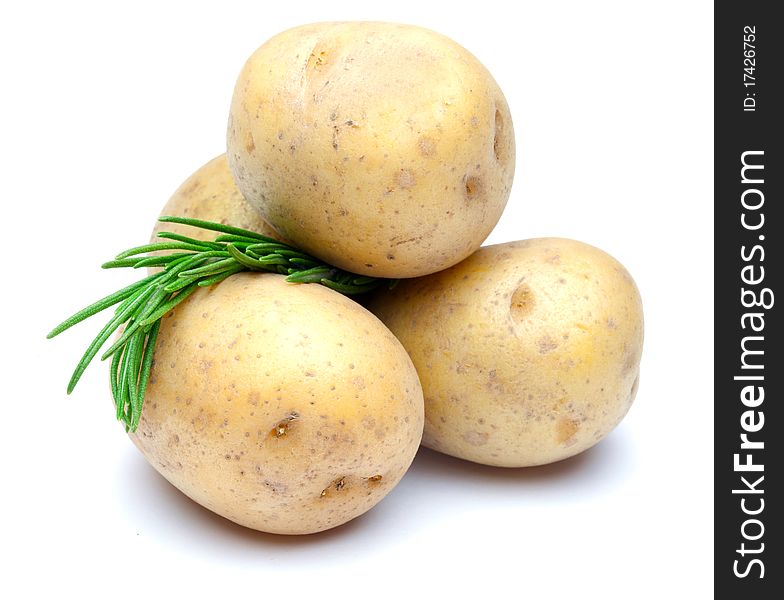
(749,264)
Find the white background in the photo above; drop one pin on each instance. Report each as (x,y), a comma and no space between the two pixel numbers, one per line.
(106,110)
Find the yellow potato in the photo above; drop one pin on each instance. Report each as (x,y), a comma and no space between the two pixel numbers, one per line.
(286,408)
(528,352)
(211,195)
(383,149)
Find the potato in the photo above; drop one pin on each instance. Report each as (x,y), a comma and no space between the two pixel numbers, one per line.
(287,408)
(211,195)
(386,150)
(528,352)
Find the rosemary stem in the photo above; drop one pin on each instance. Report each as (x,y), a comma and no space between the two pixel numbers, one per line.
(189,264)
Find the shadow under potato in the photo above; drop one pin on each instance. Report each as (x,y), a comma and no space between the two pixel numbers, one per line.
(435,464)
(434,478)
(157,505)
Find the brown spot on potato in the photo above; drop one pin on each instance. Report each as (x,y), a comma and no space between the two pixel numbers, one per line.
(522,302)
(501,141)
(413,240)
(250,144)
(282,427)
(200,422)
(630,361)
(335,132)
(405,179)
(475,438)
(276,486)
(337,485)
(546,344)
(316,59)
(565,430)
(473,187)
(426,146)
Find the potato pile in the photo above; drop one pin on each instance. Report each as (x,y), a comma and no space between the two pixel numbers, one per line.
(386,150)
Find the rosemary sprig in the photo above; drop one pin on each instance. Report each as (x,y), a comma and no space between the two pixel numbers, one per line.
(191,264)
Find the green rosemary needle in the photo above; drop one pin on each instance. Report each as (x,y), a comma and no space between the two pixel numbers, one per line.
(190,264)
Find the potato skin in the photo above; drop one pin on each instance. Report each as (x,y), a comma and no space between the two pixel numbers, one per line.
(211,195)
(285,408)
(528,352)
(384,149)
